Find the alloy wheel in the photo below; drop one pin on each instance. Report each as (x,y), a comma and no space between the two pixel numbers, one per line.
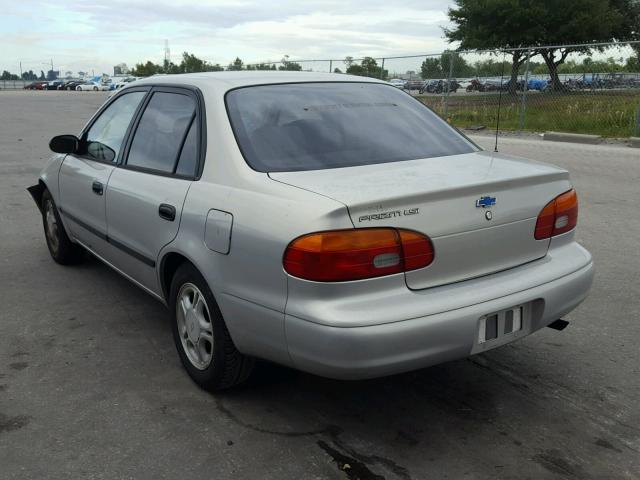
(194,326)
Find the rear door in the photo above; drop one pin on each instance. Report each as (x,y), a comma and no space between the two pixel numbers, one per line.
(146,193)
(84,176)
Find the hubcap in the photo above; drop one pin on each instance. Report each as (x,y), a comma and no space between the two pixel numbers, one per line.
(194,326)
(51,226)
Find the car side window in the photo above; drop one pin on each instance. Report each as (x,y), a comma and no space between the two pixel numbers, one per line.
(161,133)
(104,138)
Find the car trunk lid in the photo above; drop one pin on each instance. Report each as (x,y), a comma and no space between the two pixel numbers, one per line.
(479,209)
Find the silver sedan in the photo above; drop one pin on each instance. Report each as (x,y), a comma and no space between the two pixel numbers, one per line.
(326,222)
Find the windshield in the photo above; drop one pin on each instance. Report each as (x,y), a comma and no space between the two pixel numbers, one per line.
(313,126)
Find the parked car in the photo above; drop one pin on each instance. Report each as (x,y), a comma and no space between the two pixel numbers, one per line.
(537,84)
(397,82)
(38,85)
(439,86)
(348,242)
(70,84)
(414,84)
(475,85)
(95,86)
(121,83)
(54,85)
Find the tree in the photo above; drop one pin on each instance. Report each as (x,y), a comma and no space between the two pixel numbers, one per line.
(495,24)
(509,24)
(6,75)
(337,70)
(146,69)
(29,75)
(236,65)
(261,66)
(171,68)
(42,77)
(367,68)
(348,61)
(192,64)
(431,68)
(288,65)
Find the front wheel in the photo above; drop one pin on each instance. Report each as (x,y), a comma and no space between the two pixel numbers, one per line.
(95,89)
(62,250)
(201,336)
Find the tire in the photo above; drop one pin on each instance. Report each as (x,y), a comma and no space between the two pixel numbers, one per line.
(61,248)
(95,89)
(201,336)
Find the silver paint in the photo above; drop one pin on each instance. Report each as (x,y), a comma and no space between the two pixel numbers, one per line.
(353,329)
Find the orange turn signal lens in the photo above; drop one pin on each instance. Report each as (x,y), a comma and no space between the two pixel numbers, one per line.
(356,254)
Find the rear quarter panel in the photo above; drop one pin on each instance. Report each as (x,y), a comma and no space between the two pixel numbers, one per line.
(249,283)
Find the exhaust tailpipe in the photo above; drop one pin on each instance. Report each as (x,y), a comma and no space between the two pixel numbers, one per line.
(558,324)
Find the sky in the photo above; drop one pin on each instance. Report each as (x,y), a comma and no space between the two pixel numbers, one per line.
(96,35)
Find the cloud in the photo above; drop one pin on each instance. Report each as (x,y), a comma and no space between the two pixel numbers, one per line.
(86,35)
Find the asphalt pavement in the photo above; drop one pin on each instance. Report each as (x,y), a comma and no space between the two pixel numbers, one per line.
(91,386)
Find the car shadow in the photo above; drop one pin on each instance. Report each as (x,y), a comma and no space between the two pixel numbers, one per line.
(384,427)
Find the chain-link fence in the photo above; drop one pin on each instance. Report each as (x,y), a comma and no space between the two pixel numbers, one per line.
(13,84)
(592,89)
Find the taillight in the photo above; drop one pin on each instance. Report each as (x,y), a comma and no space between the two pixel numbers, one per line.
(341,255)
(559,216)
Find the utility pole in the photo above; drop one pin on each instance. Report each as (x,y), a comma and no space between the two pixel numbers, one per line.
(167,56)
(20,70)
(525,87)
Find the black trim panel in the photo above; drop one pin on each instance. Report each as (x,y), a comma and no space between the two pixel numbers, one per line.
(133,253)
(138,256)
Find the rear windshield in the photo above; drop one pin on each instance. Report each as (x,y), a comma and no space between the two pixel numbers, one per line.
(313,126)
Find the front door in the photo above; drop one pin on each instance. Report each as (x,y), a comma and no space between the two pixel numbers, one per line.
(84,176)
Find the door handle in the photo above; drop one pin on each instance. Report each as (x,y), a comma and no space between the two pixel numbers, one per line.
(166,211)
(97,187)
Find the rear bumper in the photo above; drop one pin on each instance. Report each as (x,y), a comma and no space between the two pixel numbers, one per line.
(450,330)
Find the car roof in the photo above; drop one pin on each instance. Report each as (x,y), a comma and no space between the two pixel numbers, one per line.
(233,79)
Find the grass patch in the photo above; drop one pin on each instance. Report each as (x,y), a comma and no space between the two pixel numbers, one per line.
(610,114)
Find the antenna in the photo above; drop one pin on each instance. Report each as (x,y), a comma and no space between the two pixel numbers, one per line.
(500,100)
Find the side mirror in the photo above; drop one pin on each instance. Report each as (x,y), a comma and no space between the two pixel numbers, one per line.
(64,144)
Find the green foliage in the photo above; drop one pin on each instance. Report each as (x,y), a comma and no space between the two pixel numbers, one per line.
(290,66)
(189,64)
(42,77)
(261,66)
(29,75)
(611,114)
(440,67)
(431,68)
(521,23)
(6,75)
(367,68)
(146,69)
(237,64)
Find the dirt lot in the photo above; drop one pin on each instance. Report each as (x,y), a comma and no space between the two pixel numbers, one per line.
(91,385)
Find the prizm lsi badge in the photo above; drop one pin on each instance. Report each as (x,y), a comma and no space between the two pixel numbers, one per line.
(391,214)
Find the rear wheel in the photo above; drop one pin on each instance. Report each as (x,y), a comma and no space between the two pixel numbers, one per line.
(201,336)
(61,248)
(95,89)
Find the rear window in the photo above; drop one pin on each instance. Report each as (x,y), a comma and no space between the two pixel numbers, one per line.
(313,126)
